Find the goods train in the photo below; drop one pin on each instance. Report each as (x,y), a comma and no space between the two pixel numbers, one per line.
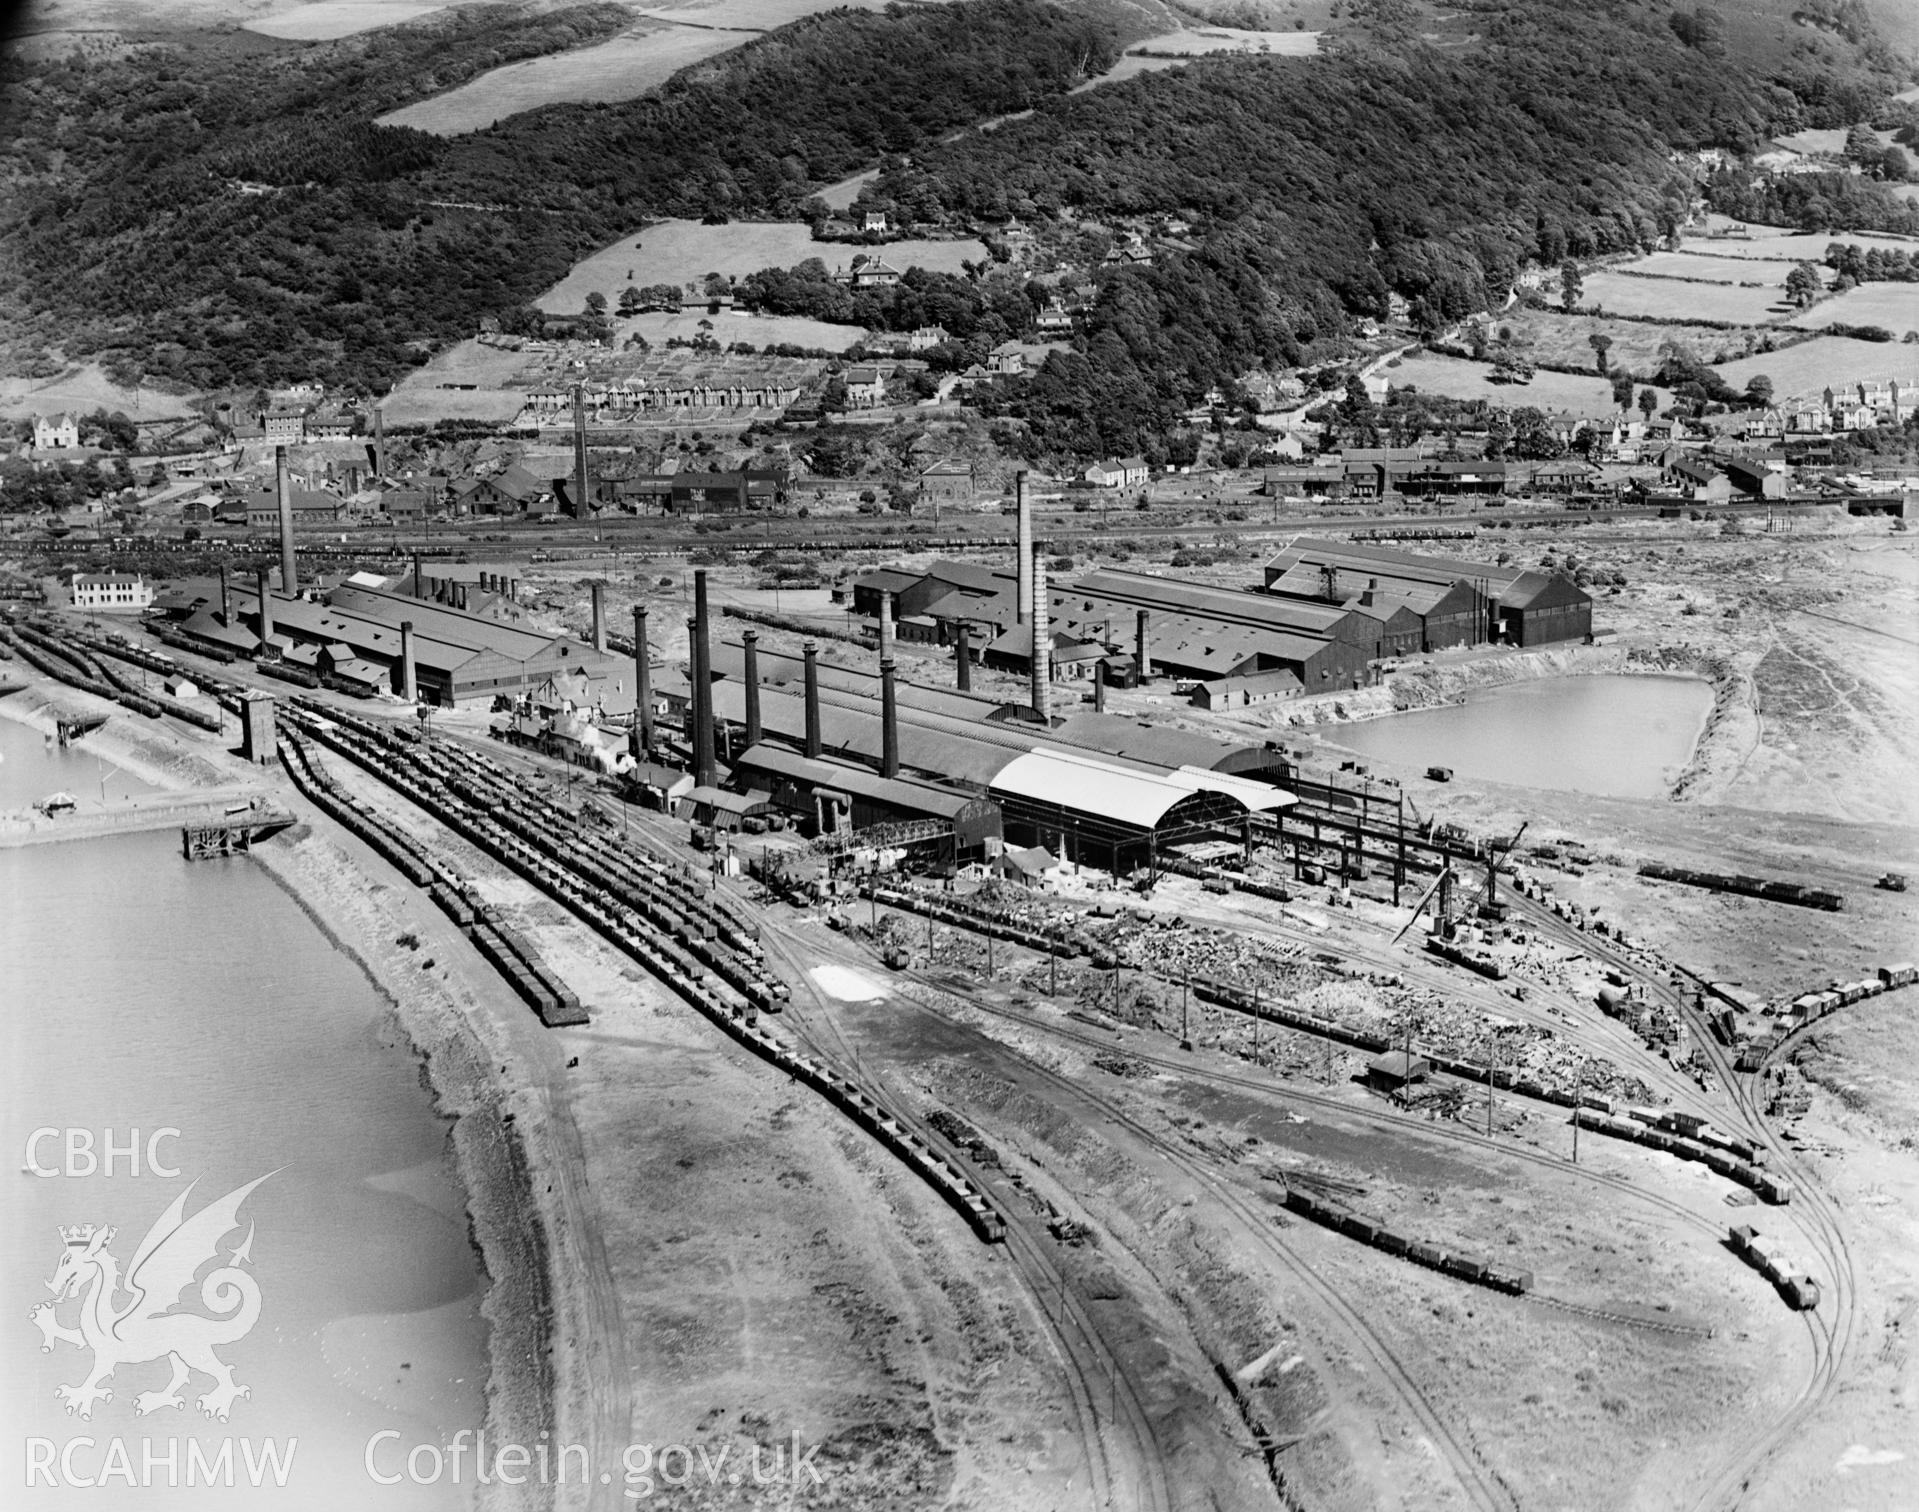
(1770,1258)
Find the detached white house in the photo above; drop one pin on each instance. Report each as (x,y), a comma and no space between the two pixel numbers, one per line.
(114,592)
(1127,472)
(59,432)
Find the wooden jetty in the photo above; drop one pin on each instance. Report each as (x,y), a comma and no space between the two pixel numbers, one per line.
(70,727)
(233,833)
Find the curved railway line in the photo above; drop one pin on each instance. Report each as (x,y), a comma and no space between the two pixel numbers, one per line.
(1092,1369)
(1832,1339)
(1481,1485)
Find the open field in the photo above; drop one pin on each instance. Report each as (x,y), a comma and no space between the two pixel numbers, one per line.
(684,251)
(325,20)
(1832,139)
(621,69)
(1770,242)
(1811,365)
(841,195)
(1566,340)
(1462,378)
(86,389)
(1672,299)
(419,399)
(1711,269)
(748,15)
(757,330)
(1204,41)
(1892,305)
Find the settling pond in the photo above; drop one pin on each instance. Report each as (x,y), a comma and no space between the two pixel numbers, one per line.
(1612,736)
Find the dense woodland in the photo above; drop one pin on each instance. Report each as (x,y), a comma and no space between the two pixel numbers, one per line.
(225,213)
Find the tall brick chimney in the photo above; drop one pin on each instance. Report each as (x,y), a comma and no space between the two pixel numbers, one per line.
(1042,658)
(750,645)
(289,566)
(812,654)
(704,771)
(264,582)
(409,678)
(889,697)
(1024,510)
(641,740)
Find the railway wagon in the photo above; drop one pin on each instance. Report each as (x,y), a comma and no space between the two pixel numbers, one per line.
(1770,1258)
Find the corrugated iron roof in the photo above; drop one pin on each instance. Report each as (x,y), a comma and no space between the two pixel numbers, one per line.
(1071,781)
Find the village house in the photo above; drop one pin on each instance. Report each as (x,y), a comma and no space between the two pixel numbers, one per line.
(873,273)
(865,387)
(949,481)
(1127,472)
(59,432)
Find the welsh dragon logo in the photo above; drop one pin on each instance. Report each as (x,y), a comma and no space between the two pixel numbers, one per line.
(145,1327)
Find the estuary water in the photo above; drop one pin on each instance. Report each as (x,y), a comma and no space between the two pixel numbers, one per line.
(143,993)
(1612,736)
(32,767)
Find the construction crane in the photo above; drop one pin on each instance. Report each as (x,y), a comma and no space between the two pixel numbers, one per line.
(1490,907)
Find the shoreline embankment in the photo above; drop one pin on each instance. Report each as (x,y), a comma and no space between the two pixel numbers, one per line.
(515,1152)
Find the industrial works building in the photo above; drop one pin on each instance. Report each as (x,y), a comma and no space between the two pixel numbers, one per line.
(1452,601)
(364,635)
(1130,624)
(1093,789)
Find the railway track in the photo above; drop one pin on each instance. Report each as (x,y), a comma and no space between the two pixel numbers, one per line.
(1092,1368)
(1481,1486)
(1832,1339)
(1188,1067)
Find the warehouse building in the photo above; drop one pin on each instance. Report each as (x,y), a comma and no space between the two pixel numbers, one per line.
(1456,602)
(1188,631)
(457,656)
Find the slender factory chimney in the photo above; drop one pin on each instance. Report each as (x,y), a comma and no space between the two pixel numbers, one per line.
(599,618)
(579,452)
(265,584)
(289,568)
(642,737)
(379,439)
(1372,589)
(1025,512)
(963,657)
(889,697)
(703,770)
(1099,687)
(409,679)
(1141,655)
(1042,658)
(419,582)
(226,598)
(812,654)
(750,642)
